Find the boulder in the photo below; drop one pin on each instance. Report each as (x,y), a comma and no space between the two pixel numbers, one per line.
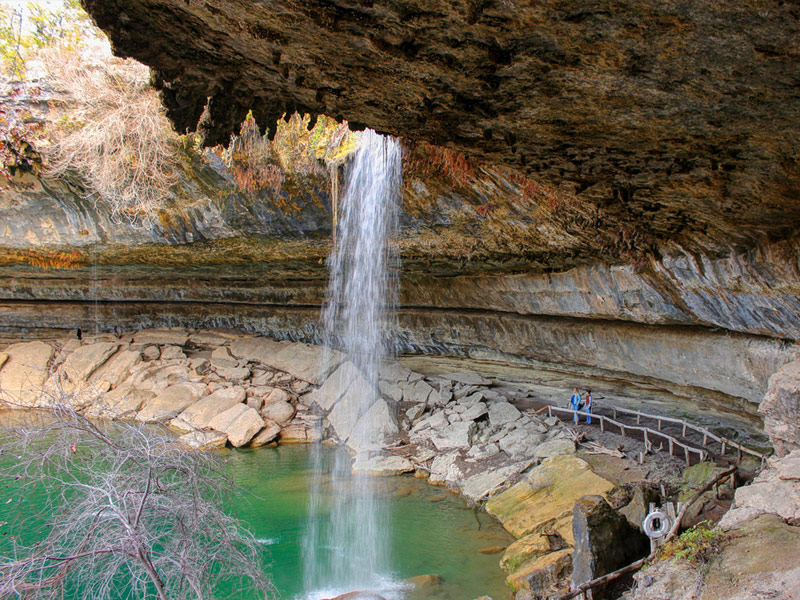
(501,413)
(445,469)
(267,435)
(382,465)
(199,414)
(781,408)
(487,482)
(221,359)
(173,336)
(394,372)
(639,505)
(476,411)
(171,402)
(373,428)
(603,540)
(391,390)
(257,349)
(542,574)
(417,392)
(303,361)
(299,386)
(521,442)
(3,359)
(481,451)
(234,374)
(415,412)
(240,422)
(172,353)
(117,368)
(455,435)
(24,373)
(278,412)
(775,490)
(553,448)
(276,395)
(122,402)
(350,406)
(204,440)
(336,386)
(545,496)
(80,365)
(423,581)
(151,352)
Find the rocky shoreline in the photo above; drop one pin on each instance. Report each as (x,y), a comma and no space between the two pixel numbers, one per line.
(460,429)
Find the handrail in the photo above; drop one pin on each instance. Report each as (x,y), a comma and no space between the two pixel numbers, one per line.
(687,449)
(724,442)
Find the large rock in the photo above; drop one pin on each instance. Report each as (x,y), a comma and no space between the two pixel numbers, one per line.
(501,413)
(373,428)
(278,412)
(267,435)
(775,490)
(521,442)
(204,440)
(455,435)
(382,465)
(603,540)
(23,375)
(240,422)
(553,448)
(335,386)
(781,408)
(122,402)
(545,496)
(760,560)
(304,361)
(80,365)
(171,402)
(199,414)
(117,368)
(350,406)
(487,482)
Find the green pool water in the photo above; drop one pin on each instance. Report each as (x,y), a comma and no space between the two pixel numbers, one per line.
(432,531)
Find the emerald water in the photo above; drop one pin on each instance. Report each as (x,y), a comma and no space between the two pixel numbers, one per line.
(433,531)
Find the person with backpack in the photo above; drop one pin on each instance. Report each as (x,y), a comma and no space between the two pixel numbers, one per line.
(575,402)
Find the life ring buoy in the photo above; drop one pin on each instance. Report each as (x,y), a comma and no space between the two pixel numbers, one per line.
(663,524)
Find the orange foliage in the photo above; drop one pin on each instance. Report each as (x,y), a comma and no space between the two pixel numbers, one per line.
(46,259)
(424,159)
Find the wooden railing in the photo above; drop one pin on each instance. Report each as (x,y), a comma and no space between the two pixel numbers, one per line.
(672,442)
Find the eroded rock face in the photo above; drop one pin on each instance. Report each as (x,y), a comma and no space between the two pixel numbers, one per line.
(633,108)
(781,409)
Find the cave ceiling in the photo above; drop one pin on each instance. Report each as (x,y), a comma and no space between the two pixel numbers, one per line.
(681,118)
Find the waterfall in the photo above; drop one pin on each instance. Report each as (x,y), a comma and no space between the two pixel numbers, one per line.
(346,545)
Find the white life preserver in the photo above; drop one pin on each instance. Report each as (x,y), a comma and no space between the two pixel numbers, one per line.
(663,527)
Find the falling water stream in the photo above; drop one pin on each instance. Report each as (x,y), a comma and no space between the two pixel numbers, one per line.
(346,545)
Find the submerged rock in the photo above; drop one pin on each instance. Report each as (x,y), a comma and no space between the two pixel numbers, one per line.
(382,465)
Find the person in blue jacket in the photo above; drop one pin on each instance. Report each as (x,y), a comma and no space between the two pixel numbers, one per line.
(575,401)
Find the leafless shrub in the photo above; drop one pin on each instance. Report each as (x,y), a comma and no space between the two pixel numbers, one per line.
(130,513)
(111,129)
